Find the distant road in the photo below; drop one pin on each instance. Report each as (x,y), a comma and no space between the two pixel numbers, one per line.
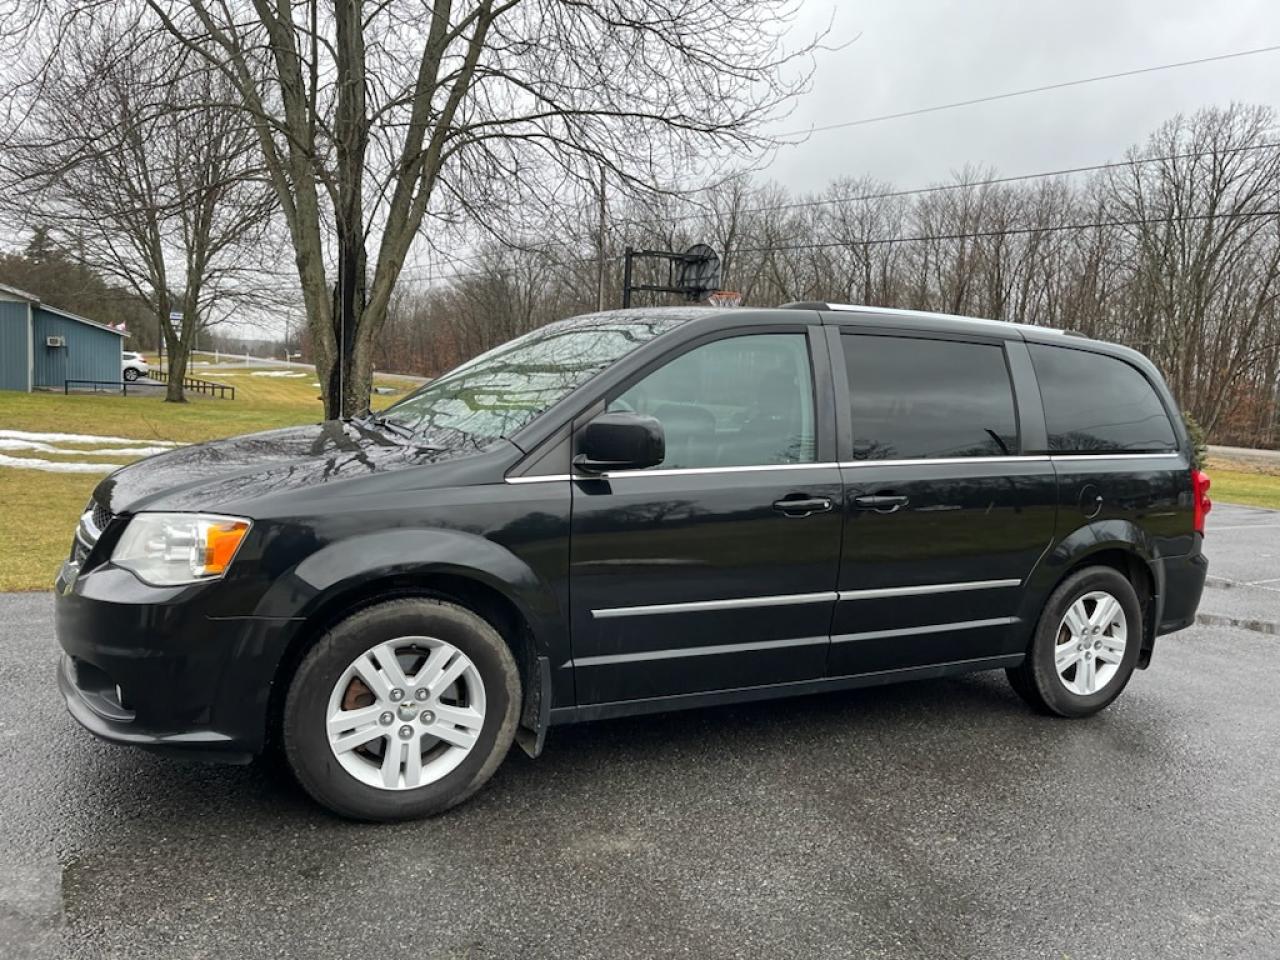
(246,362)
(1268,457)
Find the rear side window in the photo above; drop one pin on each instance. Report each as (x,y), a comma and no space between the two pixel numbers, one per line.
(1099,404)
(913,398)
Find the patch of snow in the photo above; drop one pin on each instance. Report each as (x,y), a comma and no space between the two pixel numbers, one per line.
(38,447)
(78,438)
(34,463)
(276,373)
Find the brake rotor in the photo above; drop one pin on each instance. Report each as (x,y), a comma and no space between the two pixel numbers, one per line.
(357,695)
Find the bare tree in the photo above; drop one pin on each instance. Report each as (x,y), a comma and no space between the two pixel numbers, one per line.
(1203,201)
(375,118)
(131,149)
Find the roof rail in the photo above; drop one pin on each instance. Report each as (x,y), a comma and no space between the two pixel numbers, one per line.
(806,305)
(896,311)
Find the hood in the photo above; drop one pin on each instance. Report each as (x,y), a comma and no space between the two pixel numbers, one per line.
(207,476)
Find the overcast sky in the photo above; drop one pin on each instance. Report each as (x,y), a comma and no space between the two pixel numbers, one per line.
(919,53)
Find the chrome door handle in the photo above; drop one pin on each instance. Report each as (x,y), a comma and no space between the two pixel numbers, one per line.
(803,507)
(881,502)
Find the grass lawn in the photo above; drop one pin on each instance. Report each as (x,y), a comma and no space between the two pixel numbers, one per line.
(1236,482)
(39,509)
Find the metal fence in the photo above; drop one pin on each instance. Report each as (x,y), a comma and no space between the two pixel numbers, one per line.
(223,391)
(197,385)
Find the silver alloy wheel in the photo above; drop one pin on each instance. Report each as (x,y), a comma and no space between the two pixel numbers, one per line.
(405,713)
(1091,642)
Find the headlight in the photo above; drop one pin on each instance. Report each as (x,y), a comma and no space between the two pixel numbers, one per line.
(166,549)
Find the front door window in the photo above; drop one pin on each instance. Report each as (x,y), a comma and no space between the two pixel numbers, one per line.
(743,401)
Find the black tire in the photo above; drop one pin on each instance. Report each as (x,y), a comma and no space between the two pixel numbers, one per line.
(130,374)
(1036,679)
(305,737)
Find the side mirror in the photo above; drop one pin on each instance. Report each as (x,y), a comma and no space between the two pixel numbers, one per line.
(620,441)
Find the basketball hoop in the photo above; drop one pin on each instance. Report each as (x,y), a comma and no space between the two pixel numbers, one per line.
(724,298)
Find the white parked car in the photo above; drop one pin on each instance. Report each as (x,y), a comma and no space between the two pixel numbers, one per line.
(134,366)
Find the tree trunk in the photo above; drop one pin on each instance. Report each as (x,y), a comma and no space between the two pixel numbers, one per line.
(173,392)
(179,351)
(349,377)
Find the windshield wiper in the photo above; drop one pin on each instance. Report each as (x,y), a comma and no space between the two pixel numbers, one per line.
(399,429)
(384,423)
(393,426)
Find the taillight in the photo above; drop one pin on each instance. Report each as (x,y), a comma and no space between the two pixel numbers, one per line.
(1200,491)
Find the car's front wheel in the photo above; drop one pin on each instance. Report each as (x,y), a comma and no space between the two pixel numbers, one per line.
(130,374)
(402,710)
(1085,646)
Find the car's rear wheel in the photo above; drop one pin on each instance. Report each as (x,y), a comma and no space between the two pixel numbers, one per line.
(130,374)
(1085,646)
(402,710)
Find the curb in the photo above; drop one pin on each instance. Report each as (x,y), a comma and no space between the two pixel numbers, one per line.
(1269,627)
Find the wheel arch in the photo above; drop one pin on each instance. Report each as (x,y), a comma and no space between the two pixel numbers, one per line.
(468,570)
(1122,545)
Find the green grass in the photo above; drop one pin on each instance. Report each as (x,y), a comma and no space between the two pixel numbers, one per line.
(38,513)
(1234,484)
(39,509)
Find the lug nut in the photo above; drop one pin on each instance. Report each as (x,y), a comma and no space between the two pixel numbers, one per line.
(421,693)
(397,695)
(386,719)
(406,732)
(427,716)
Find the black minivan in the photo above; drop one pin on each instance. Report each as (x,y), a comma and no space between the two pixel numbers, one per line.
(637,511)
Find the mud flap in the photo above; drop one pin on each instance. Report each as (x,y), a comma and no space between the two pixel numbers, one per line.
(536,717)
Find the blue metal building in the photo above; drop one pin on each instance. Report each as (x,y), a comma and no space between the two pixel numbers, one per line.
(44,347)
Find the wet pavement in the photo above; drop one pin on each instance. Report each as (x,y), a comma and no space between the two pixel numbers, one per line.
(936,819)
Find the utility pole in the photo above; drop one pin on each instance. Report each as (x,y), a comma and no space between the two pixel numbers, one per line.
(600,240)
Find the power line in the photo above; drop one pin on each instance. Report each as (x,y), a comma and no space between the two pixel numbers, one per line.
(405,275)
(1011,231)
(1029,90)
(924,238)
(866,197)
(964,184)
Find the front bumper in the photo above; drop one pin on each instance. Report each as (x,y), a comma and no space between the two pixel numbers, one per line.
(158,668)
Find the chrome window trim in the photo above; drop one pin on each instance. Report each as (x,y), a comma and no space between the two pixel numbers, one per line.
(710,650)
(908,462)
(695,471)
(927,588)
(945,461)
(673,472)
(696,606)
(928,628)
(1169,455)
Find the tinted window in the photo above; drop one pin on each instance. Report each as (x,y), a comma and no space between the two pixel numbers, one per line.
(914,398)
(497,393)
(744,401)
(1098,404)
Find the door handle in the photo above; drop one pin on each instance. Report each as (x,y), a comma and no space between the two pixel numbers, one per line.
(881,502)
(803,507)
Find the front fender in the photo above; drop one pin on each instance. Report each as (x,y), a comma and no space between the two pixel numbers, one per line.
(354,562)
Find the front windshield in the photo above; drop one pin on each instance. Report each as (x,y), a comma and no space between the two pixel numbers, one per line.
(498,392)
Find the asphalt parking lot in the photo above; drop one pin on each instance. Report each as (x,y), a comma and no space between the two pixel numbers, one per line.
(935,820)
